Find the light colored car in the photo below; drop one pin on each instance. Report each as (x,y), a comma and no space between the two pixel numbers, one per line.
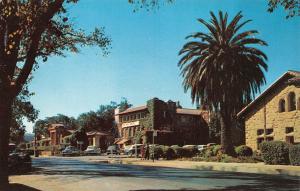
(92,150)
(190,146)
(113,149)
(201,147)
(70,151)
(131,150)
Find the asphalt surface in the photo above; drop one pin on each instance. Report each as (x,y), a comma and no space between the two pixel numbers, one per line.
(76,174)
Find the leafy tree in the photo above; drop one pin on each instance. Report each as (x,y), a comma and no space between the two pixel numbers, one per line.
(80,136)
(291,6)
(31,31)
(21,109)
(103,118)
(223,69)
(41,126)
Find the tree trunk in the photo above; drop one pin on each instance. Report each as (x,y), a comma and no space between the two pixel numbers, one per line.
(226,139)
(5,120)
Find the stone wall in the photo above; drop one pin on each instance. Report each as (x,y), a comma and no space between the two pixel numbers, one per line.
(267,112)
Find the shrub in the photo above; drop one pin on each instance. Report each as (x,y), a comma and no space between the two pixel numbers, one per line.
(275,152)
(294,155)
(190,151)
(169,153)
(243,151)
(216,149)
(158,151)
(179,151)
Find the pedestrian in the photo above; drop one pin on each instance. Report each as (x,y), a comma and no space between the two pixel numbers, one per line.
(147,155)
(142,152)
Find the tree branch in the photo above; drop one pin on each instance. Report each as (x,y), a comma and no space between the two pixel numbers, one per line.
(35,40)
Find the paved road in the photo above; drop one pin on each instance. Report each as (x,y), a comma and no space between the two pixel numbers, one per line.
(73,174)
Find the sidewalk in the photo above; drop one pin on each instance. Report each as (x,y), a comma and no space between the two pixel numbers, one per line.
(259,168)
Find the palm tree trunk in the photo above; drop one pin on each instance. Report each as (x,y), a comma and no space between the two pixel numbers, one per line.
(5,119)
(226,140)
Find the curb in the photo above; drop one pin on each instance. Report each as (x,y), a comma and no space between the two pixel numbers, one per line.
(226,167)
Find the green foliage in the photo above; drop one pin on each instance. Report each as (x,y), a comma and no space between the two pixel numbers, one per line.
(169,153)
(243,151)
(275,152)
(216,149)
(294,154)
(21,109)
(79,135)
(179,151)
(158,151)
(233,57)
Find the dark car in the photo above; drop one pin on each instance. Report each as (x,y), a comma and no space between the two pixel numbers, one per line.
(113,149)
(19,162)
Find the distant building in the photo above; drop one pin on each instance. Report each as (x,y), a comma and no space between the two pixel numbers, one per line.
(173,124)
(275,114)
(100,139)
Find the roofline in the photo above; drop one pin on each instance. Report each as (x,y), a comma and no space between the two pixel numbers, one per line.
(289,72)
(141,108)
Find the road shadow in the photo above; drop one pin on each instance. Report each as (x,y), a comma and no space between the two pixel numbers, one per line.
(247,181)
(20,187)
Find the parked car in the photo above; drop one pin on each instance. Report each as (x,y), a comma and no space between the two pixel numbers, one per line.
(190,146)
(92,150)
(201,147)
(19,162)
(113,149)
(70,151)
(131,149)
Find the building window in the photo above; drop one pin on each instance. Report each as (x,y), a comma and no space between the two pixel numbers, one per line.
(165,114)
(259,140)
(292,101)
(269,138)
(281,105)
(129,132)
(260,131)
(269,131)
(289,129)
(138,116)
(289,139)
(299,103)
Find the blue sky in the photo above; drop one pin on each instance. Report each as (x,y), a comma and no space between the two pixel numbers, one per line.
(144,53)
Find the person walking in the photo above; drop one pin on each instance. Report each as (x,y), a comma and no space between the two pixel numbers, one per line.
(147,154)
(143,152)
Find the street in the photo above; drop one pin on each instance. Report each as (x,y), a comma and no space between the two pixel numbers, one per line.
(75,174)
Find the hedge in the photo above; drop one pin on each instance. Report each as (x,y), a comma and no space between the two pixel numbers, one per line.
(243,151)
(294,155)
(169,153)
(275,152)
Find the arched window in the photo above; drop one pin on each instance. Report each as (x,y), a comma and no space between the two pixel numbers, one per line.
(291,101)
(299,103)
(281,105)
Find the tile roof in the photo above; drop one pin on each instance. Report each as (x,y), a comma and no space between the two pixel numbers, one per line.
(96,133)
(133,109)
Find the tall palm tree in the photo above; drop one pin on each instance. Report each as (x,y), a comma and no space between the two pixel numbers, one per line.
(223,68)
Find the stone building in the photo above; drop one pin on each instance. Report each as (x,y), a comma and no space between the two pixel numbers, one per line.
(173,124)
(275,114)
